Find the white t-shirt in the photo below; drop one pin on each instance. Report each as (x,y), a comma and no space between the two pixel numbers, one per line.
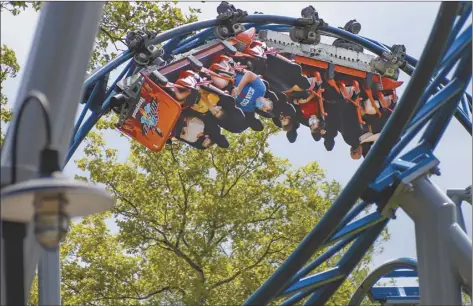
(194,127)
(368,108)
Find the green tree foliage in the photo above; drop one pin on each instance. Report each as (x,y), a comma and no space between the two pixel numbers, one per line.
(466,299)
(194,227)
(9,67)
(16,7)
(122,17)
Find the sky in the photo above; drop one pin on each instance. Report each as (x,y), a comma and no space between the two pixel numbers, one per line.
(407,23)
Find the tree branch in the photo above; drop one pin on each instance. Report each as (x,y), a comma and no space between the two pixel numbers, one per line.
(77,292)
(186,203)
(166,179)
(144,297)
(239,176)
(137,213)
(121,197)
(112,38)
(189,247)
(213,161)
(260,259)
(194,266)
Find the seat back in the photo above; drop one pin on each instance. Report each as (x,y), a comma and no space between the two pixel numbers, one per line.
(283,74)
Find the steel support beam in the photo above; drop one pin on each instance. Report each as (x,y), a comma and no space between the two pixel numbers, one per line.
(441,250)
(458,196)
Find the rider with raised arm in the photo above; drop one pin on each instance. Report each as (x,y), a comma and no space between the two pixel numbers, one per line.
(248,90)
(249,93)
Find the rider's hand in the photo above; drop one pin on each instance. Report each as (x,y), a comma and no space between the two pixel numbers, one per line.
(235,92)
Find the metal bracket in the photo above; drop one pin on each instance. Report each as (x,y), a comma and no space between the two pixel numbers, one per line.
(139,43)
(307,32)
(397,178)
(390,62)
(353,27)
(461,194)
(124,102)
(229,18)
(323,52)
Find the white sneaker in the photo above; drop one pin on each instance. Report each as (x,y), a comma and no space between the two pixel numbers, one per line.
(364,136)
(371,138)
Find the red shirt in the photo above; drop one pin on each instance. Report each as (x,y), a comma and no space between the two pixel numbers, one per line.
(309,109)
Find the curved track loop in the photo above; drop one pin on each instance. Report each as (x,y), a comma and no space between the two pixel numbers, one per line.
(390,266)
(429,99)
(401,267)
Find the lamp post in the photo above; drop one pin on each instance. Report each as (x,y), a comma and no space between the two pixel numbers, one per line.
(48,202)
(61,50)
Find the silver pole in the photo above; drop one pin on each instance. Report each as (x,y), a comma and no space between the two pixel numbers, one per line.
(441,249)
(458,196)
(56,66)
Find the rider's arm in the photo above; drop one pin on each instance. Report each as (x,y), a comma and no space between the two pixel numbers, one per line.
(308,99)
(181,95)
(247,78)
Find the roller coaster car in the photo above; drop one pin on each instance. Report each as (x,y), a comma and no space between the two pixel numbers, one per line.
(198,130)
(339,92)
(347,88)
(148,114)
(281,73)
(333,63)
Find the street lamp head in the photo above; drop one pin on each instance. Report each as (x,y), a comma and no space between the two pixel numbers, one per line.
(50,202)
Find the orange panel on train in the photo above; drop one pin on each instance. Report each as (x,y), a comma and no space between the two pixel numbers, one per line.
(153,118)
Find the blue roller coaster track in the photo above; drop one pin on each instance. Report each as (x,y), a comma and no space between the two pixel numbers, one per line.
(437,92)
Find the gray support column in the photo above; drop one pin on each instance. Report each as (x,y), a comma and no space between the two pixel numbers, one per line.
(458,196)
(56,67)
(434,215)
(460,250)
